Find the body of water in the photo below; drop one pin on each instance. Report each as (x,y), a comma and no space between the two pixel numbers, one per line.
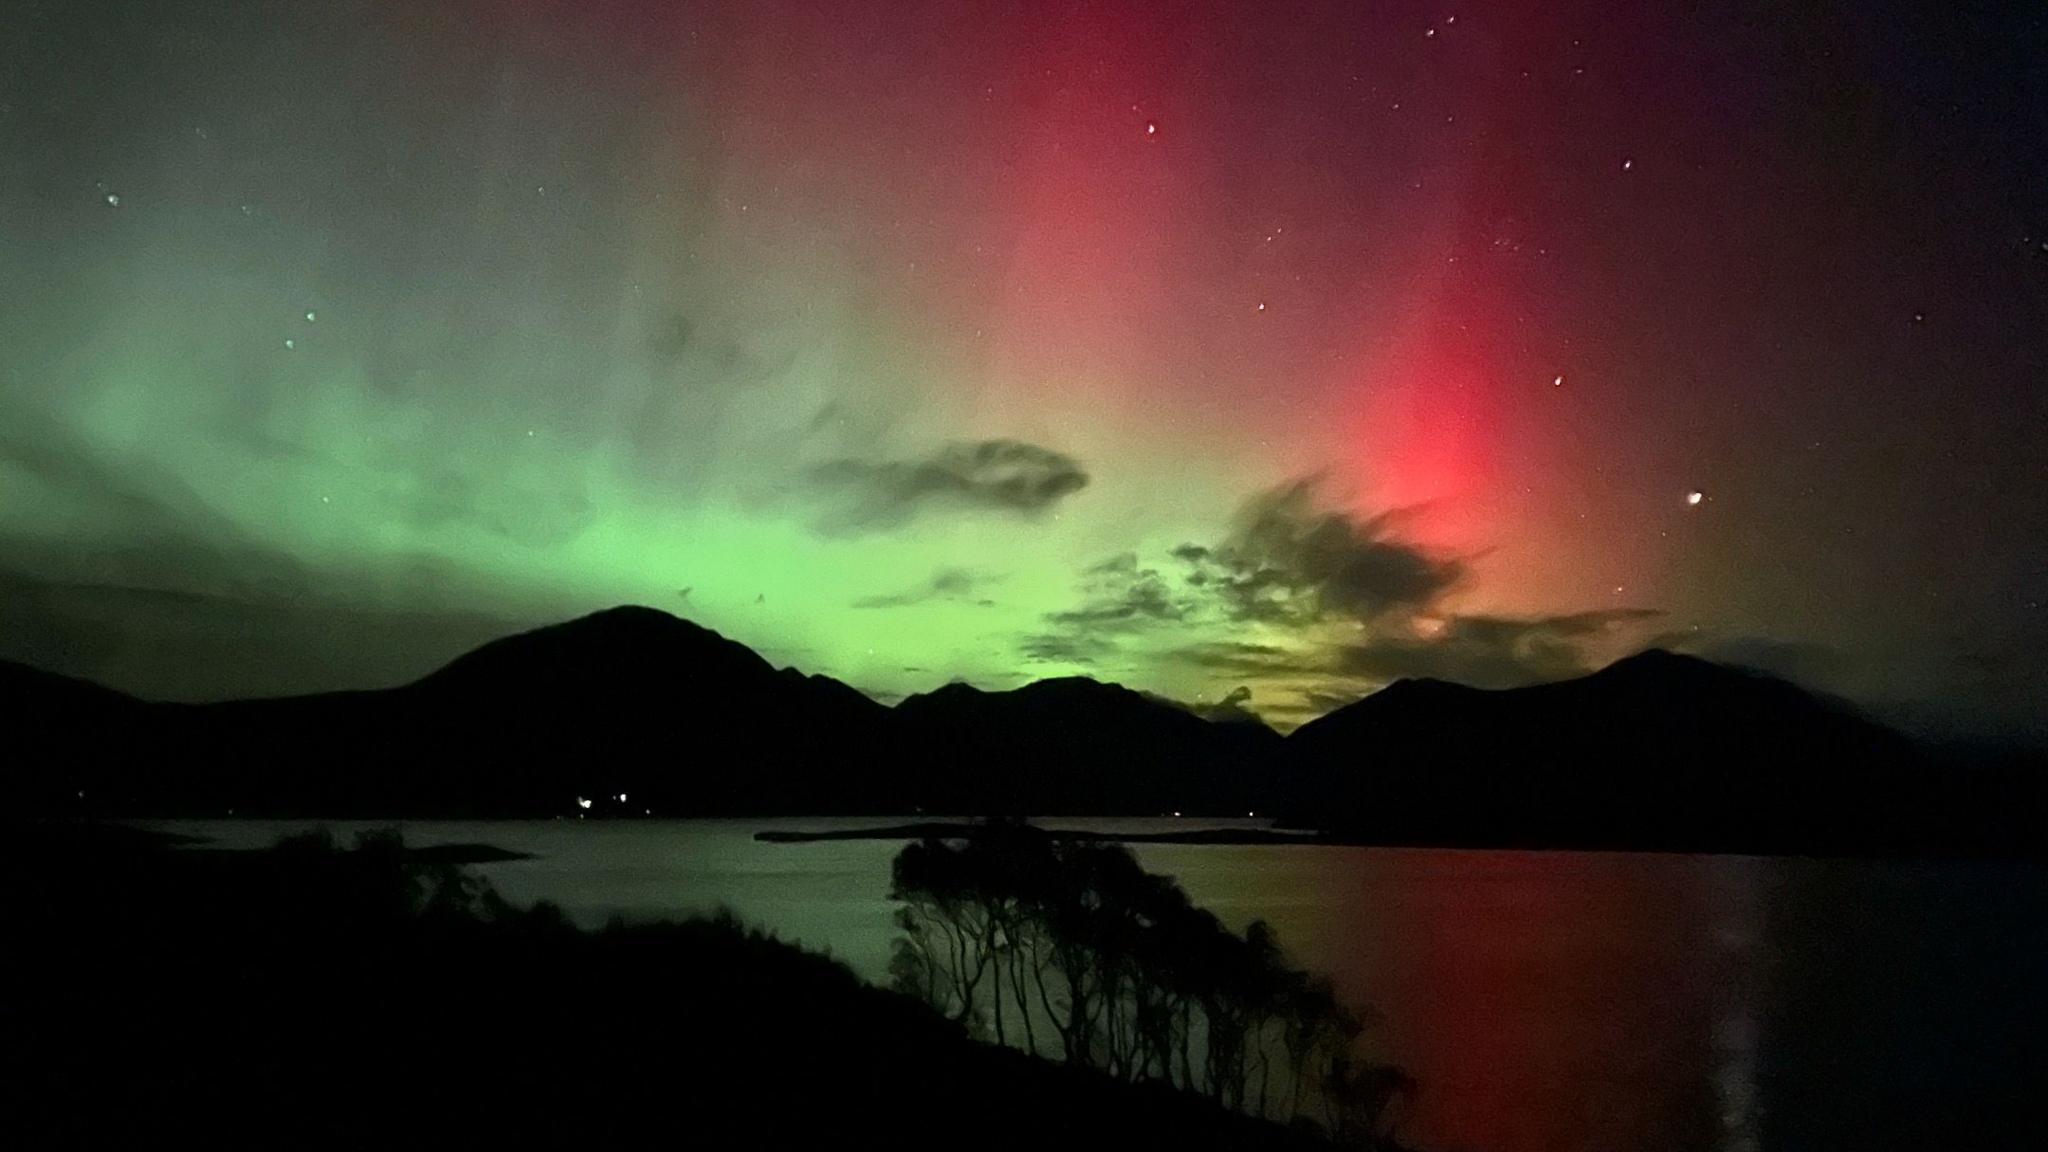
(1546,1002)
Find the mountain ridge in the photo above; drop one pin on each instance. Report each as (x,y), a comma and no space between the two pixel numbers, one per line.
(638,711)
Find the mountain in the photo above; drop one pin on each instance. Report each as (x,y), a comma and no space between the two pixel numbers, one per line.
(66,738)
(1655,751)
(637,703)
(1078,746)
(628,701)
(1658,750)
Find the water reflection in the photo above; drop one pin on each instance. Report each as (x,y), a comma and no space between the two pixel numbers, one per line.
(1546,1002)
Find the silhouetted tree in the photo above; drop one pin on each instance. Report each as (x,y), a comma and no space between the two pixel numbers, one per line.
(1010,931)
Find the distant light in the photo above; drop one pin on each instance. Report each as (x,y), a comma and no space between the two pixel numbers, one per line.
(1176,814)
(581,802)
(622,797)
(1694,497)
(1251,815)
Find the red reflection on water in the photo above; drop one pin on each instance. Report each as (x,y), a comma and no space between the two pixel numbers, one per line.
(1544,1002)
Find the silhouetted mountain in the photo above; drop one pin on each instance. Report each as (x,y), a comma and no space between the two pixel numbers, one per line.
(629,701)
(637,703)
(1078,746)
(1657,750)
(65,736)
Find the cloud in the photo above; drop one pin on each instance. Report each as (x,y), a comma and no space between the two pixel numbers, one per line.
(1064,648)
(1289,561)
(1006,476)
(1315,606)
(184,645)
(948,584)
(1316,703)
(1243,656)
(1232,709)
(1488,651)
(1120,596)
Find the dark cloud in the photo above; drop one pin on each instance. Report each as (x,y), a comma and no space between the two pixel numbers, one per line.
(668,337)
(183,645)
(1121,596)
(1239,656)
(1007,476)
(1289,561)
(1232,709)
(133,495)
(950,584)
(1336,605)
(1316,703)
(1064,648)
(1488,651)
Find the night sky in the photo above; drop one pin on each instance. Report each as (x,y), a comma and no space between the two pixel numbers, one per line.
(1251,354)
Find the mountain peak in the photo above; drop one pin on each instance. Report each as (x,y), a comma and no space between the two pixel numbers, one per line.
(626,644)
(1665,662)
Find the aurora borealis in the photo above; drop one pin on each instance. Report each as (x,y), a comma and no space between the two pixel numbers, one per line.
(1249,354)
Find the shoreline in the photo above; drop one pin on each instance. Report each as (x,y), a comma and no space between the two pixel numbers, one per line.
(955,830)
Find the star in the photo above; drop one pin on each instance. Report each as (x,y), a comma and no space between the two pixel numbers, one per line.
(1262,305)
(1627,164)
(289,343)
(1557,381)
(310,316)
(1694,497)
(113,200)
(1151,128)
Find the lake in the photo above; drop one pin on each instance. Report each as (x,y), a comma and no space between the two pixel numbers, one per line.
(1546,1002)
